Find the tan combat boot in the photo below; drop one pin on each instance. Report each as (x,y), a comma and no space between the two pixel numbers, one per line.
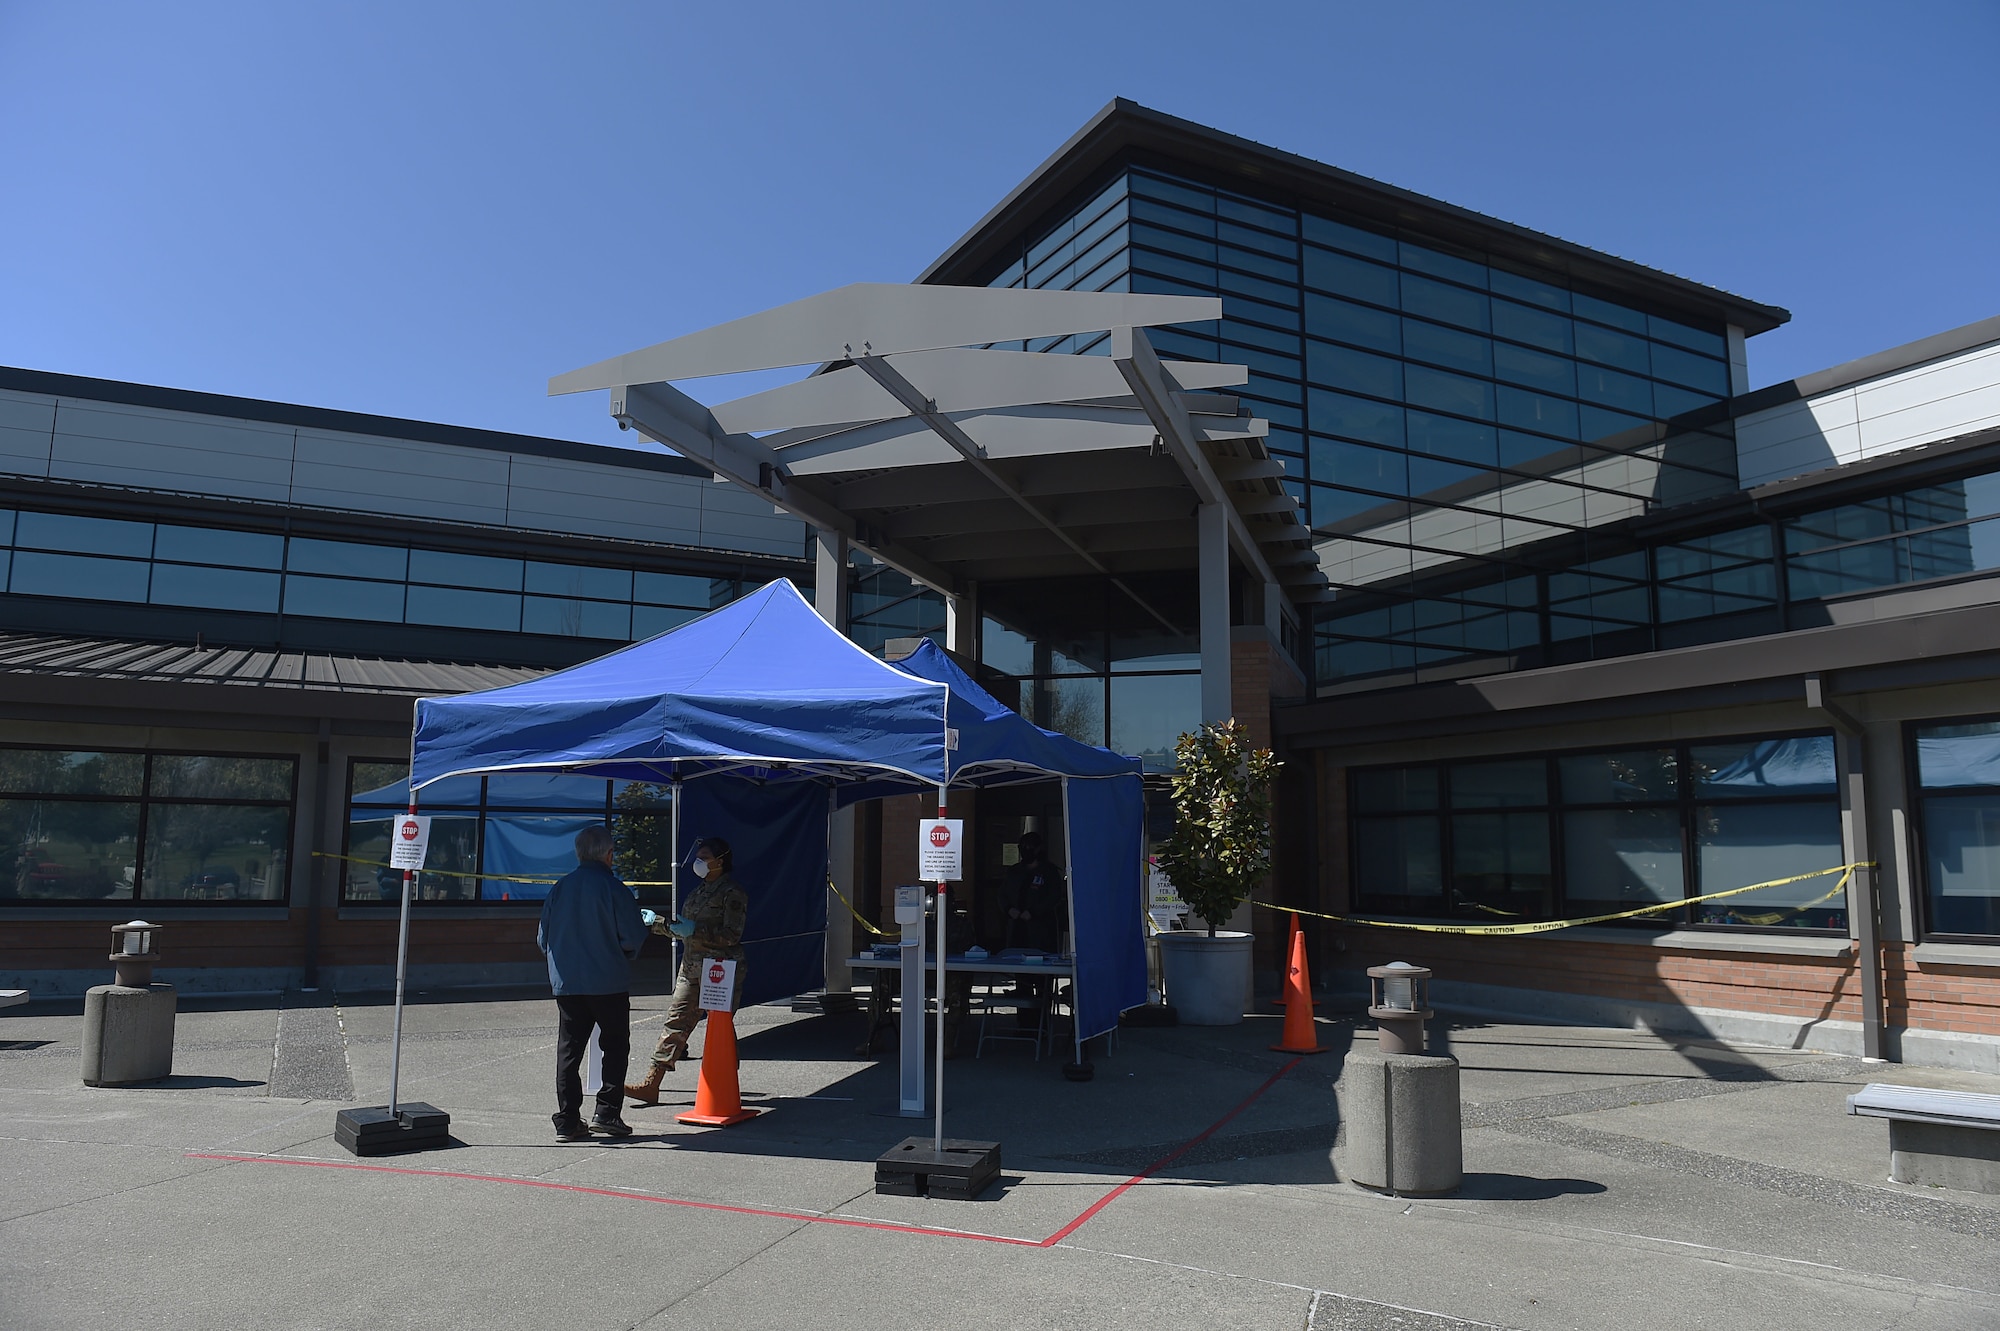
(647,1092)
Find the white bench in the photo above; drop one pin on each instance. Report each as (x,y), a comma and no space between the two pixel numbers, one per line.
(1940,1139)
(13,997)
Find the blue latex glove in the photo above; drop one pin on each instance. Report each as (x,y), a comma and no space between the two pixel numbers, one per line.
(681,928)
(648,917)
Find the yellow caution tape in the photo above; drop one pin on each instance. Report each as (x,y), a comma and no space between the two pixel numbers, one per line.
(861,919)
(1846,872)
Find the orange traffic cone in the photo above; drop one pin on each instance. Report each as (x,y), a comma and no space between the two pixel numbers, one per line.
(717,1101)
(1301,1036)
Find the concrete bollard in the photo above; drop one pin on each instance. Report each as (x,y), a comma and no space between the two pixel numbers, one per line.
(128,1034)
(128,1026)
(1402,1122)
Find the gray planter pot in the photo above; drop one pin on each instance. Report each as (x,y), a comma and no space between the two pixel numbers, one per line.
(1206,978)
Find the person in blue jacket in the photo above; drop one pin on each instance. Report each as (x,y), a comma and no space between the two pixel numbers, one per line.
(591,931)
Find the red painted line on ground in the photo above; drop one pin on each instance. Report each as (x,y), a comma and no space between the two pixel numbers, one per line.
(621,1195)
(1165,1160)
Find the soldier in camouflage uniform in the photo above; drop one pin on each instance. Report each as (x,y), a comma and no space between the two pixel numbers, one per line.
(710,923)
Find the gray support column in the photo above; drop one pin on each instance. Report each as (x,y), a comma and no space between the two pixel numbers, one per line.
(830,576)
(1212,532)
(961,621)
(830,599)
(1863,911)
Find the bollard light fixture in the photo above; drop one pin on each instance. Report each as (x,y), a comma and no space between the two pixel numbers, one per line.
(1399,996)
(132,954)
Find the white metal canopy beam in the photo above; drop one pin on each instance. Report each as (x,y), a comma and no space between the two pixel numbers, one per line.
(883,318)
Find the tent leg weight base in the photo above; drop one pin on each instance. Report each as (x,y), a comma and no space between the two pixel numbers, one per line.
(831,1003)
(959,1172)
(375,1131)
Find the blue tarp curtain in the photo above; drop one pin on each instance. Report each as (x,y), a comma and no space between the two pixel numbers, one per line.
(757,710)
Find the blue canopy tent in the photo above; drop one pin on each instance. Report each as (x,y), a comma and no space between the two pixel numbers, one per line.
(763,718)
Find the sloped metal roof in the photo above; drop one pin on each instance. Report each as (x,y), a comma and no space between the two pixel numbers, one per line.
(181,663)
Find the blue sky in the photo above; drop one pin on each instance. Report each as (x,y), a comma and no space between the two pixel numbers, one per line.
(427,209)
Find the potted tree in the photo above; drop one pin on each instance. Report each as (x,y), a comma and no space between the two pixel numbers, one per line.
(1219,850)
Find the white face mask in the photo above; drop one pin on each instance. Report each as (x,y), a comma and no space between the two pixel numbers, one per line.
(701,868)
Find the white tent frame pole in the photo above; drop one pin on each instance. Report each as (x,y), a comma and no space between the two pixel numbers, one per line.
(674,870)
(943,913)
(402,951)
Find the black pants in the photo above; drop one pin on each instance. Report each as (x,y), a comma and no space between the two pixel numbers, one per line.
(576,1014)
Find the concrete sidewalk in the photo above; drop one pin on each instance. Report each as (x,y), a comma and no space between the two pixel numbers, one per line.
(1614,1179)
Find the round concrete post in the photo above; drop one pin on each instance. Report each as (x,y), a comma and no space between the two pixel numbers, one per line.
(1402,1120)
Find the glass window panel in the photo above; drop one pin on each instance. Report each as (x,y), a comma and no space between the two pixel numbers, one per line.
(1590,307)
(1534,369)
(346,559)
(1331,506)
(1343,237)
(1694,339)
(1514,782)
(82,577)
(1150,712)
(1344,321)
(1449,437)
(1447,346)
(1344,276)
(1359,418)
(216,777)
(1981,494)
(1837,572)
(1188,196)
(60,850)
(676,589)
(545,790)
(1467,271)
(1521,450)
(1282,246)
(1538,328)
(71,772)
(1429,476)
(1444,391)
(216,852)
(642,829)
(570,618)
(1073,706)
(1397,858)
(455,570)
(1802,765)
(1356,370)
(1527,289)
(1670,401)
(1159,238)
(1611,389)
(458,608)
(1527,410)
(1167,265)
(386,784)
(1690,370)
(1740,844)
(1443,302)
(1340,463)
(1607,347)
(1962,863)
(603,584)
(1256,335)
(1602,423)
(1500,863)
(1633,776)
(1254,213)
(208,545)
(90,536)
(1616,859)
(1967,754)
(452,857)
(6,526)
(342,598)
(1004,649)
(1264,267)
(1393,790)
(216,588)
(1832,526)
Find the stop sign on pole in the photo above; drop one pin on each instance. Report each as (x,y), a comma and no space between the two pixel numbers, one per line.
(410,837)
(940,847)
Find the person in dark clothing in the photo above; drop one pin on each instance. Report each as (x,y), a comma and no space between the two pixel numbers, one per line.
(591,930)
(1037,913)
(1037,899)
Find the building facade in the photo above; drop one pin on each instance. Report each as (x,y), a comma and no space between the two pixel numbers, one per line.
(1593,627)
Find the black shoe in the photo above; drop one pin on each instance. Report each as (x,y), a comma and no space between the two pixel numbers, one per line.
(611,1125)
(569,1129)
